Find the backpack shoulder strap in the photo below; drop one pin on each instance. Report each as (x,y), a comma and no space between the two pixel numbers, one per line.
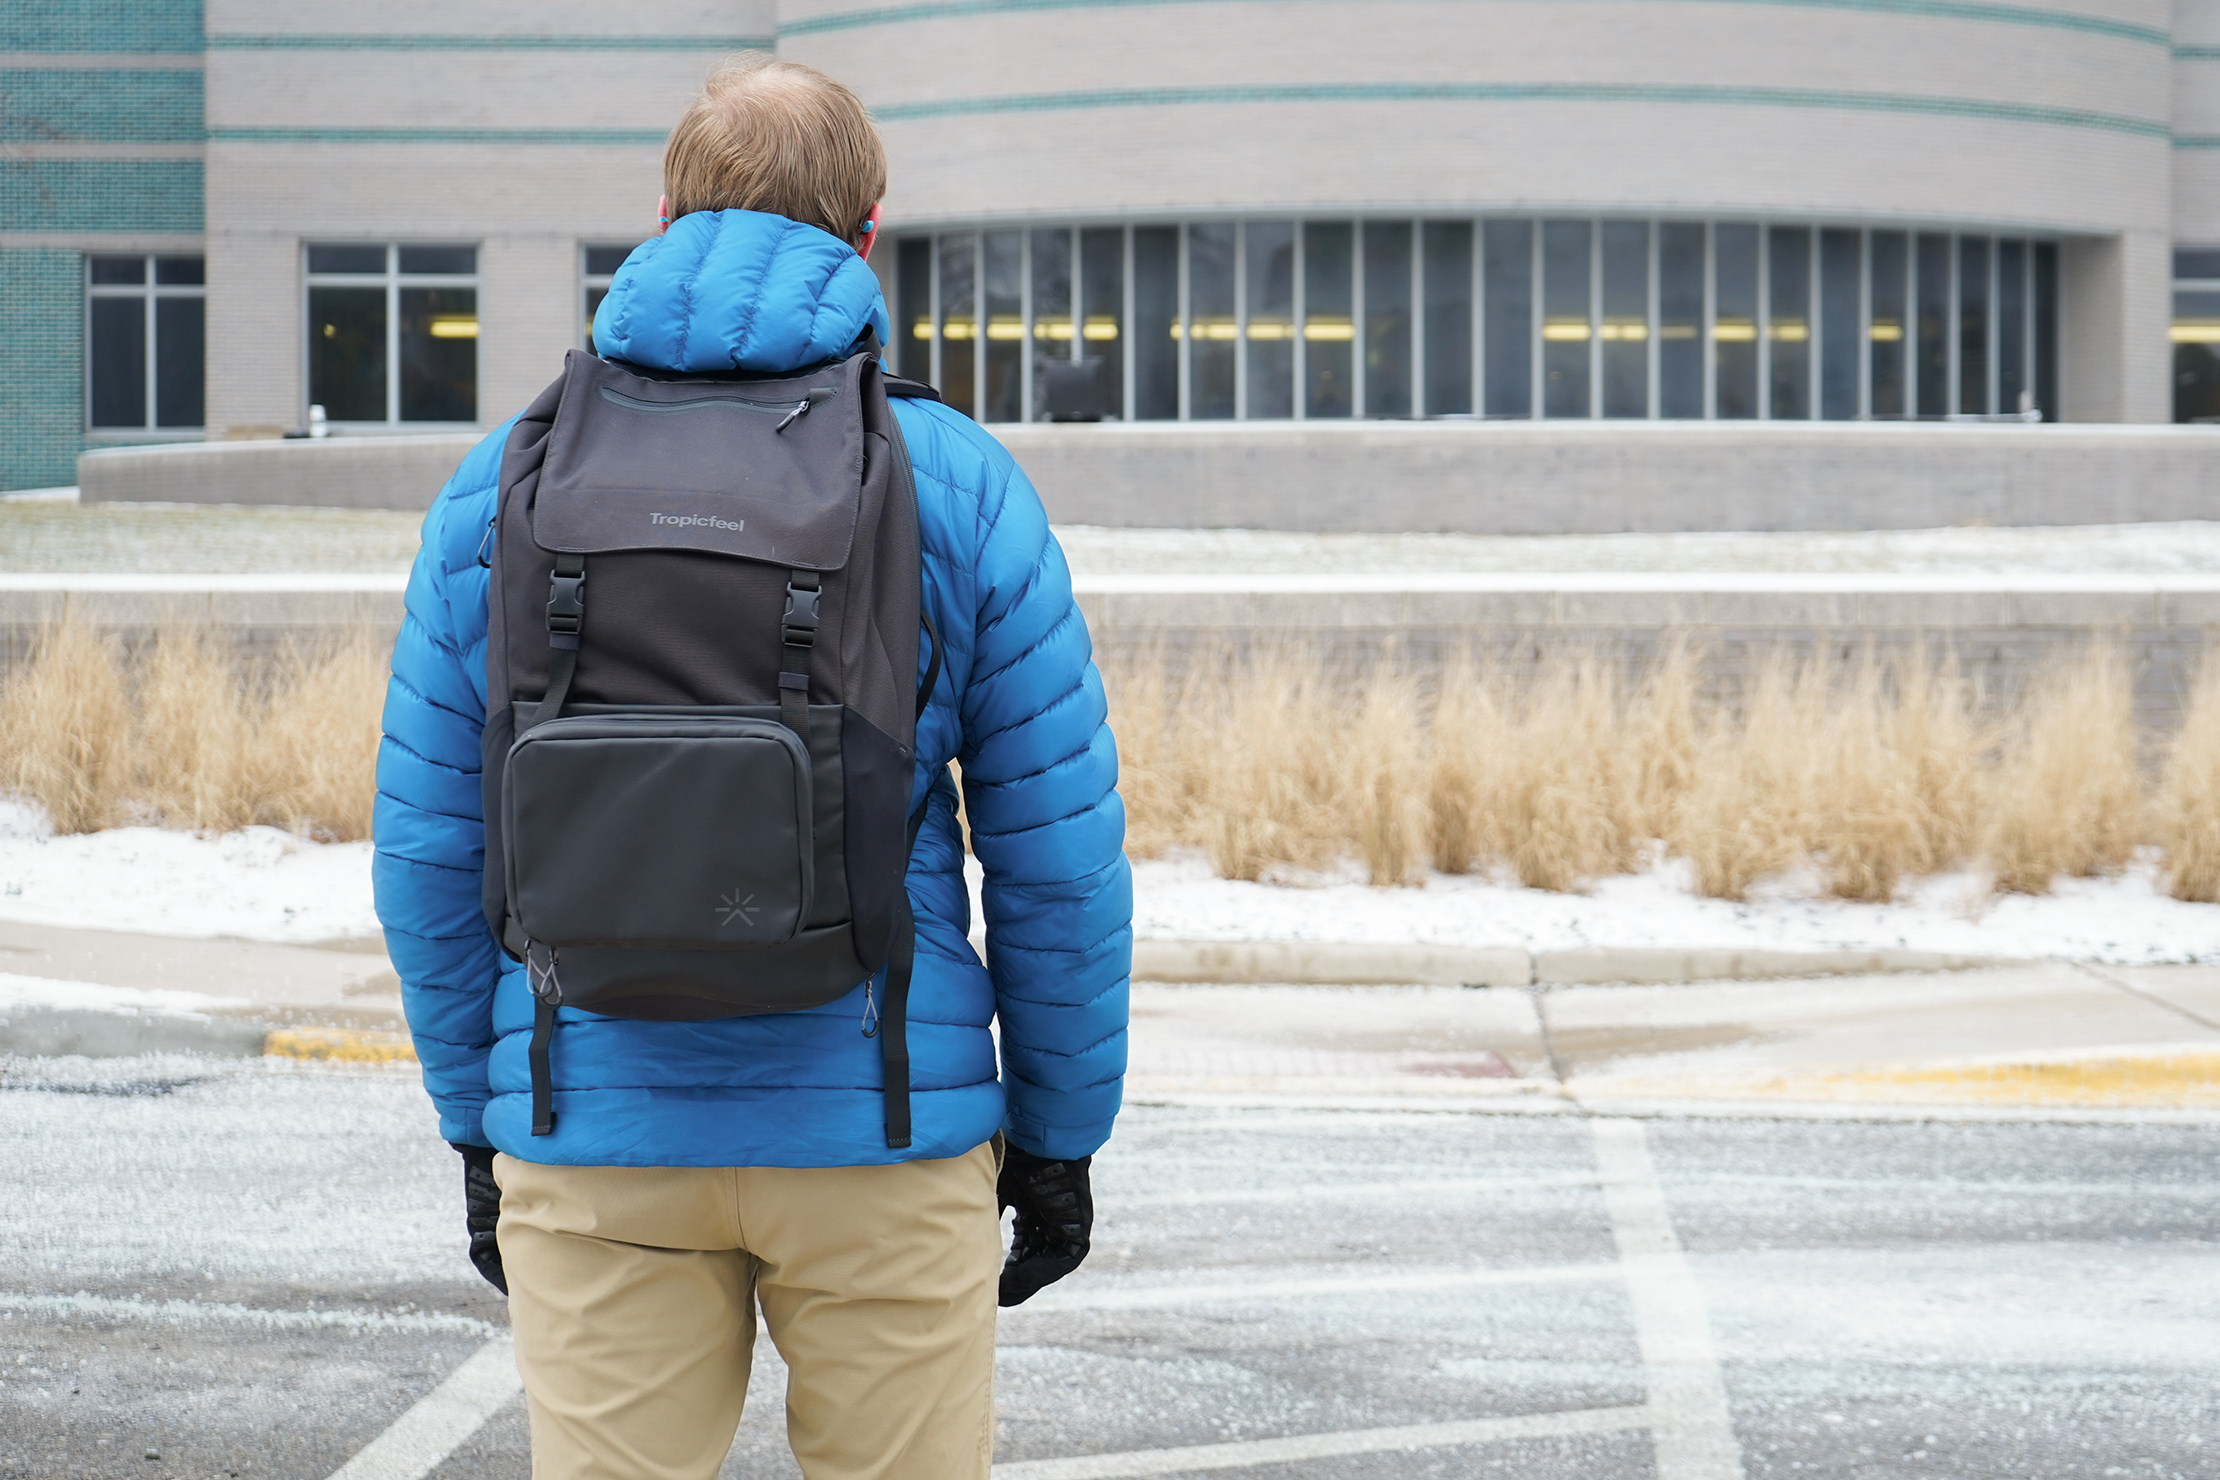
(916,390)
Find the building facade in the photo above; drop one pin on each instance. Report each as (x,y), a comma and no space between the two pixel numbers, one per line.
(226,220)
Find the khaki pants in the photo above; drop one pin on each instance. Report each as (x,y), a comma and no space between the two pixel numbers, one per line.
(632,1291)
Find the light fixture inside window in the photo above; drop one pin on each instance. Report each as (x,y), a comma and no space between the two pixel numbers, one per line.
(450,326)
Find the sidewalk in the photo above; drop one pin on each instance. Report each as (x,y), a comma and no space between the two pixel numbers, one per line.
(2045,1035)
(105,992)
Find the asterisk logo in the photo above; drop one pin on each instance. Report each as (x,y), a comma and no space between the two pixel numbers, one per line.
(731,907)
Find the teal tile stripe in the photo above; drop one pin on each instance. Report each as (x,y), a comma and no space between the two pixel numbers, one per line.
(101,194)
(2197,53)
(438,135)
(1956,10)
(1528,92)
(100,105)
(100,25)
(303,41)
(2197,141)
(42,306)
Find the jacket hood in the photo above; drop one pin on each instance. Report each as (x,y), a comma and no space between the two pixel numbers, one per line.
(738,290)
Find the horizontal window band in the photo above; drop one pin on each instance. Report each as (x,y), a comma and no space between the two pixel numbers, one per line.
(308,41)
(1956,10)
(1531,92)
(622,136)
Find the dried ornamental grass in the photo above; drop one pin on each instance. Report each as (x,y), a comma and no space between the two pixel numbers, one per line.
(189,739)
(2067,796)
(2186,813)
(64,728)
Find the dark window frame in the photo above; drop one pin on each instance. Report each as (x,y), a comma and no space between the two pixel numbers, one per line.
(149,292)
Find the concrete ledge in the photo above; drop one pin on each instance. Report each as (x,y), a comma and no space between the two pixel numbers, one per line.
(1470,477)
(333,472)
(1609,477)
(1299,963)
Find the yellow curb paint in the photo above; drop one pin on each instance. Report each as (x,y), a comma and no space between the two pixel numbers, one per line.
(340,1045)
(2181,1080)
(2141,1081)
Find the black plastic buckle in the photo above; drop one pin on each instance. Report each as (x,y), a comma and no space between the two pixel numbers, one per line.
(566,603)
(800,628)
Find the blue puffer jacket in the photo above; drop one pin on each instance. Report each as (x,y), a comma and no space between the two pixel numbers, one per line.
(1020,707)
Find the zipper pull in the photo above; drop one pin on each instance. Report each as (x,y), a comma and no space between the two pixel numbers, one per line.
(870,1013)
(817,395)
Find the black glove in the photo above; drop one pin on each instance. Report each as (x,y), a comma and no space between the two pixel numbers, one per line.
(1055,1217)
(482,1212)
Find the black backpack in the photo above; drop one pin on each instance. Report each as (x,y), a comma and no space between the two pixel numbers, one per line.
(701,699)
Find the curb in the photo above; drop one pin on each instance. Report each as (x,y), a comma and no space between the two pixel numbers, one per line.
(95,1033)
(52,1032)
(1324,963)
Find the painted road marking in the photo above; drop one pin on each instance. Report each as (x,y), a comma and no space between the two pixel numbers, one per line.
(1108,1296)
(1361,1191)
(206,1313)
(441,1420)
(1690,1424)
(1294,1450)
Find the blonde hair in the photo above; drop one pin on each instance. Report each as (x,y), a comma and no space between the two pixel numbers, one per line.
(767,135)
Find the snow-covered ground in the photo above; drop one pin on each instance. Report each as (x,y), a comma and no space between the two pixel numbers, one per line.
(2097,549)
(258,884)
(2123,920)
(44,537)
(263,884)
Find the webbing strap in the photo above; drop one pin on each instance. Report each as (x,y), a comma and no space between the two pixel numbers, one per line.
(894,1042)
(566,619)
(932,676)
(543,1083)
(798,632)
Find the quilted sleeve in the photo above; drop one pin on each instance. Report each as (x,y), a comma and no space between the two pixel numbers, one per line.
(428,819)
(1040,777)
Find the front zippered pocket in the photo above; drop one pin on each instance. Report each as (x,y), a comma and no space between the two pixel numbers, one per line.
(789,409)
(659,831)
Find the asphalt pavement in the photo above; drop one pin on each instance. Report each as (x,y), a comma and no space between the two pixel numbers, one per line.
(254,1268)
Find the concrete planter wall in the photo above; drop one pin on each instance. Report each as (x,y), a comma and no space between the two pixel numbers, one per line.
(1466,477)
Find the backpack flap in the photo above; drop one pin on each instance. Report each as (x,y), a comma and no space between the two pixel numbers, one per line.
(765,470)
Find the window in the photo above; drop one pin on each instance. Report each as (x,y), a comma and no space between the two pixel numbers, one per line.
(1501,317)
(1625,323)
(1838,325)
(144,334)
(600,264)
(2196,335)
(1212,330)
(1270,324)
(1680,320)
(1734,320)
(393,332)
(1889,254)
(1788,333)
(1509,332)
(1446,262)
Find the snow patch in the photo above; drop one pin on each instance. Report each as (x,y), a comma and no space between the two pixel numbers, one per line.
(2126,919)
(261,883)
(266,884)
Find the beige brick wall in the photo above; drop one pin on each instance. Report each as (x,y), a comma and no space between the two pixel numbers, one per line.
(1645,151)
(527,205)
(254,331)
